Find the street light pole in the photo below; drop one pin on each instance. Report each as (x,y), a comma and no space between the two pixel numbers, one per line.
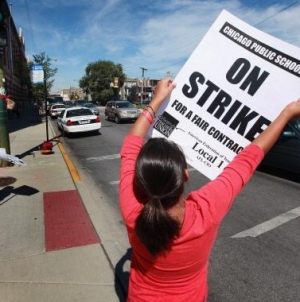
(46,105)
(142,92)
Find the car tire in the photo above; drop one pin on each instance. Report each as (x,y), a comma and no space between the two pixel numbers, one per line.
(117,119)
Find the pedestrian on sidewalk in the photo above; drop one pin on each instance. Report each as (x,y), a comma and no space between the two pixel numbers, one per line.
(172,235)
(10,104)
(16,111)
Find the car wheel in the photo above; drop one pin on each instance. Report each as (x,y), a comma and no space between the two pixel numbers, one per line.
(117,119)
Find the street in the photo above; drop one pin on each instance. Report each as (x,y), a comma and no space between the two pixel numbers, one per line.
(256,254)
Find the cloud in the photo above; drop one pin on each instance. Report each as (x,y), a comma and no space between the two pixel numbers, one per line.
(157,35)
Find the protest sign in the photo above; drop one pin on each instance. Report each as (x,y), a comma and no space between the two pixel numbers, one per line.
(233,85)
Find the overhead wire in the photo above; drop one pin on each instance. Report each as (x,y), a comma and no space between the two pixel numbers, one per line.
(257,24)
(280,11)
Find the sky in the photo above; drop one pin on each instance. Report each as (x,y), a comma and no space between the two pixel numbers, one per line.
(156,36)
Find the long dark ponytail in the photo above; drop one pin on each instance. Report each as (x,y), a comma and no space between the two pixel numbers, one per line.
(158,184)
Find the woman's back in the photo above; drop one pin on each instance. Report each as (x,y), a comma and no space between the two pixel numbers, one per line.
(181,273)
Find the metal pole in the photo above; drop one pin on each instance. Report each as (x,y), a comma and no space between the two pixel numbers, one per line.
(4,134)
(142,92)
(46,107)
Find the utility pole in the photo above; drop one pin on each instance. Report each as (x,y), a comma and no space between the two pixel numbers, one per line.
(142,92)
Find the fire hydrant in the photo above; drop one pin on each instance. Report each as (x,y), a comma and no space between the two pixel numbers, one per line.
(46,147)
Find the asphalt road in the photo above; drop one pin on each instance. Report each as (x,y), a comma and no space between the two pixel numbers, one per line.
(256,254)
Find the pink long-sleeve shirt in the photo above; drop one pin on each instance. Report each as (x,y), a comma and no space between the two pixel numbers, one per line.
(181,274)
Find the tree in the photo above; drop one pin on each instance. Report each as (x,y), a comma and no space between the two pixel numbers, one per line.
(100,78)
(38,91)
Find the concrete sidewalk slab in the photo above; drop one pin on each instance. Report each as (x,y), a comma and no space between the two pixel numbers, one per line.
(68,275)
(28,272)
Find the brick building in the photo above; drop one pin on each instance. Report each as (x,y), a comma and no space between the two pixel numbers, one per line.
(14,74)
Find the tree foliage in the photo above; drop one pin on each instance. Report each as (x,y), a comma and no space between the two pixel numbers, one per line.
(98,80)
(40,91)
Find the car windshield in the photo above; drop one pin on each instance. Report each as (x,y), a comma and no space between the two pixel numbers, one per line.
(297,124)
(124,105)
(79,112)
(89,105)
(59,106)
(292,129)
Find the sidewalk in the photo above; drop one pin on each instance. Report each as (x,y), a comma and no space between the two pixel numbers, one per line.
(50,249)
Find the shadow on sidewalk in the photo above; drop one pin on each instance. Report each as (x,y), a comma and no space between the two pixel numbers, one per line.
(122,277)
(22,190)
(28,117)
(55,140)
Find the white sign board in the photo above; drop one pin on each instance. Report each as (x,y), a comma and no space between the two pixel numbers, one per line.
(233,85)
(37,74)
(10,158)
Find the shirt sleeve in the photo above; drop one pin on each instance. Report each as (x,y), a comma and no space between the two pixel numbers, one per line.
(128,203)
(215,199)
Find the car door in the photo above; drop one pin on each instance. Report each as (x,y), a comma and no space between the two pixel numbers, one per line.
(109,110)
(112,110)
(59,119)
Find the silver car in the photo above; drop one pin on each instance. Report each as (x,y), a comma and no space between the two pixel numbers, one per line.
(92,107)
(121,111)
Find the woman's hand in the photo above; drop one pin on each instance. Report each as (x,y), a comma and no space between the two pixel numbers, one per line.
(267,138)
(292,110)
(162,91)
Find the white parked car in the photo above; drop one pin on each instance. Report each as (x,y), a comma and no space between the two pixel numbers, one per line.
(56,109)
(78,119)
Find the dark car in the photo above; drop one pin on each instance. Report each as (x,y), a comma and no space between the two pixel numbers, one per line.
(285,154)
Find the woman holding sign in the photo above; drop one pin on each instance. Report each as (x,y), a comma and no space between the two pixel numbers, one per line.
(172,235)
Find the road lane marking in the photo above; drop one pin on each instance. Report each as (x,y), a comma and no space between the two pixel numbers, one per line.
(269,224)
(104,157)
(115,182)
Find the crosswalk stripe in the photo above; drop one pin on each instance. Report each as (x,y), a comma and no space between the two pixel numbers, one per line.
(104,157)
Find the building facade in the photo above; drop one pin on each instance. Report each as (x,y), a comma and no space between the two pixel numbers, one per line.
(14,73)
(71,94)
(136,90)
